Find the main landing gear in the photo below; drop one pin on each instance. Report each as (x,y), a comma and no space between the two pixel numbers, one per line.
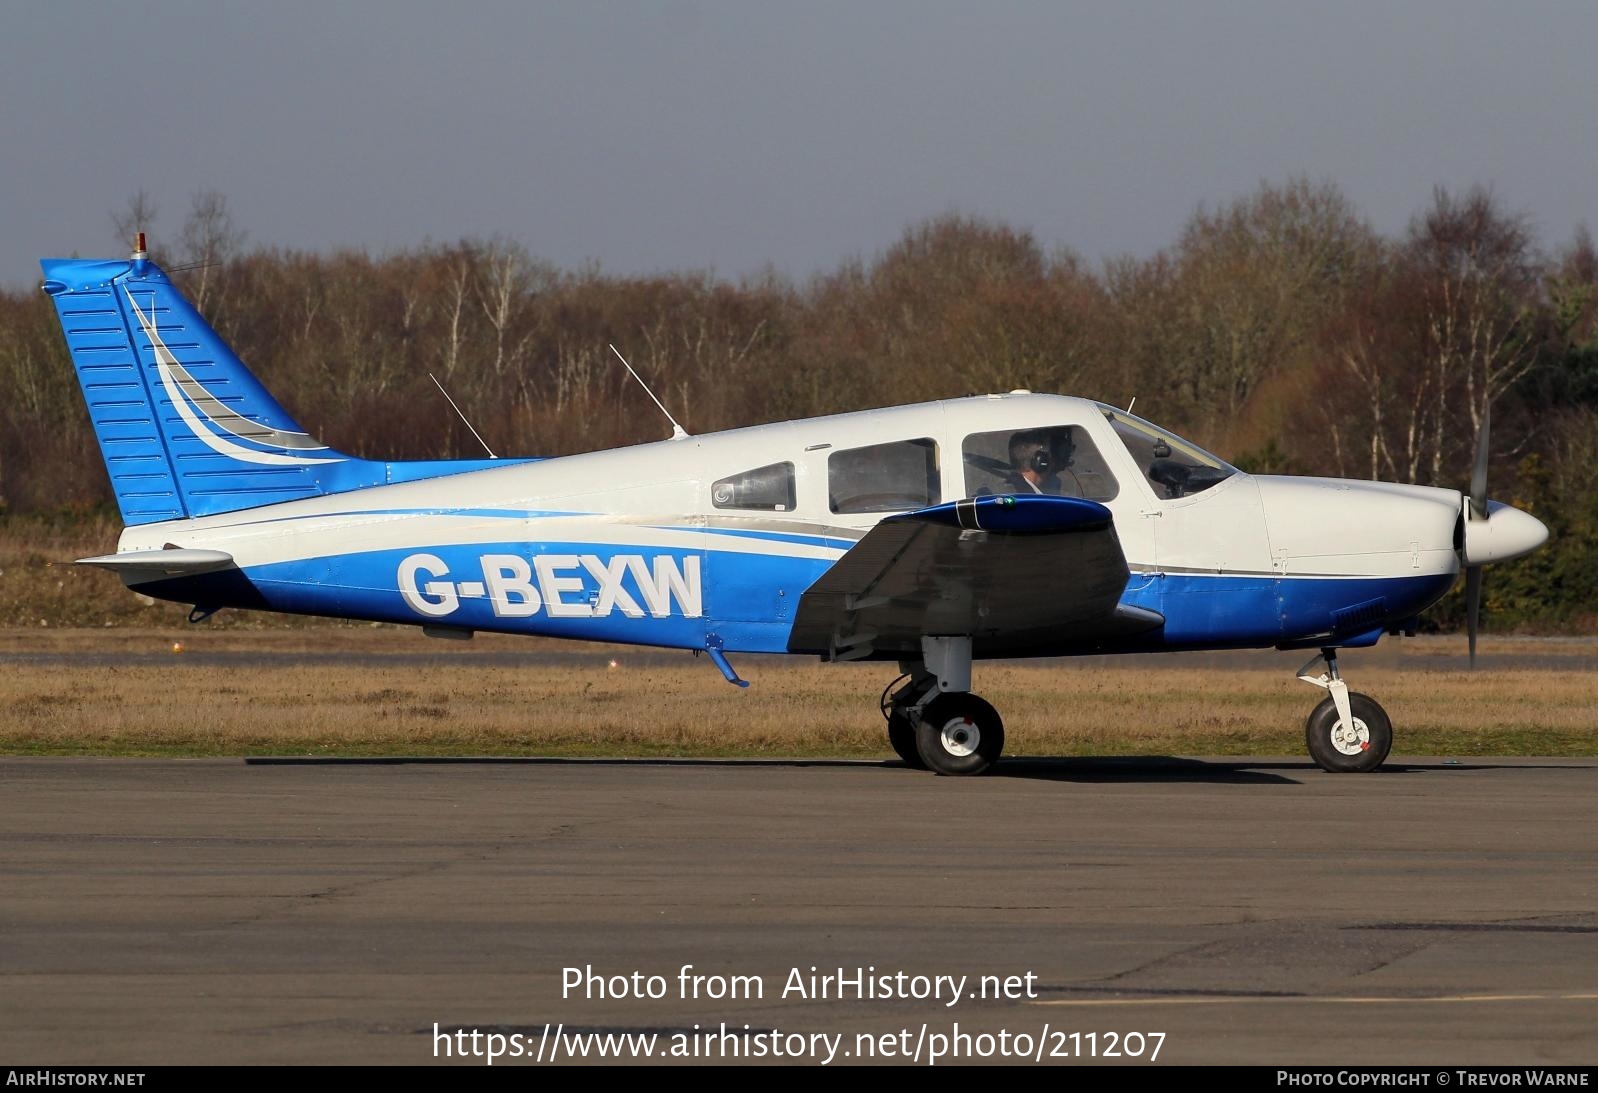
(934,721)
(1348,732)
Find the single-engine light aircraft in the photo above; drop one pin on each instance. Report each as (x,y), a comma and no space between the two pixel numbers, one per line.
(933,535)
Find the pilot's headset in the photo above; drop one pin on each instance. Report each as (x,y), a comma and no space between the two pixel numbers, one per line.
(1052,452)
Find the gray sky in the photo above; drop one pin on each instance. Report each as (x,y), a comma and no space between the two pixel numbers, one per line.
(689,134)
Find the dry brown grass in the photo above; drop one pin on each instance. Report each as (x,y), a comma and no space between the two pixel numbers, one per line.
(123,692)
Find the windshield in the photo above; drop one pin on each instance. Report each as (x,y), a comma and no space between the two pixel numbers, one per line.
(1173,466)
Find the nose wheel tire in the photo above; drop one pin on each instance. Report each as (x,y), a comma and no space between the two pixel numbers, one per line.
(1340,752)
(902,737)
(959,733)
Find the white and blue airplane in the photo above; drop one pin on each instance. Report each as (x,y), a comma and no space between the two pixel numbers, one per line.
(933,535)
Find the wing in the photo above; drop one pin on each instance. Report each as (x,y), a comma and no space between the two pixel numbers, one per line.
(1019,575)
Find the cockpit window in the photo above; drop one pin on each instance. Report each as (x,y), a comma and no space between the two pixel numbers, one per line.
(1061,460)
(1173,466)
(884,477)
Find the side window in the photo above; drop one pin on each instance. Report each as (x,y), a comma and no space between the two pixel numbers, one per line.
(769,488)
(1061,460)
(884,477)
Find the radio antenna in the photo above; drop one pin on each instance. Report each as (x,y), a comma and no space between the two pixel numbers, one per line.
(677,431)
(457,409)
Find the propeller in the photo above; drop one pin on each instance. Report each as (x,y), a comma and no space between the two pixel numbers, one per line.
(1498,535)
(1477,511)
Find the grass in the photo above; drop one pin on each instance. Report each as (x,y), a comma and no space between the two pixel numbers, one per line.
(121,691)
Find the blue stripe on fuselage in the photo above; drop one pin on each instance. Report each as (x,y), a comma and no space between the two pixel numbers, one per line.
(744,599)
(748,600)
(1219,611)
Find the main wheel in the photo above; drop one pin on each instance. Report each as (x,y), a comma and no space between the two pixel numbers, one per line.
(959,733)
(902,736)
(1361,750)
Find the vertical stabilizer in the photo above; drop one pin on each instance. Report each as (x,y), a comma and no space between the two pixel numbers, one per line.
(185,429)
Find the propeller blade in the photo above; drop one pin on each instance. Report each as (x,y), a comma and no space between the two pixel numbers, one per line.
(1478,475)
(1472,607)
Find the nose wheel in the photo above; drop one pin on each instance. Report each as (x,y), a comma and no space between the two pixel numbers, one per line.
(1348,732)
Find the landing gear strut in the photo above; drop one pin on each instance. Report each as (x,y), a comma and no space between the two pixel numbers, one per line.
(934,721)
(1348,732)
(899,711)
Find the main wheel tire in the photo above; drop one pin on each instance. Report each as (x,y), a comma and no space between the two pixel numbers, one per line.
(1339,753)
(959,734)
(902,737)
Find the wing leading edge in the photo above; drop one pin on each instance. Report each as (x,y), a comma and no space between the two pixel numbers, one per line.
(1017,574)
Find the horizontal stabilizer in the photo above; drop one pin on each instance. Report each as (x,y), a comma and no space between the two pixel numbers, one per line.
(151,565)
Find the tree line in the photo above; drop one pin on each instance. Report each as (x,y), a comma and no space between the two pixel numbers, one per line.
(1281,329)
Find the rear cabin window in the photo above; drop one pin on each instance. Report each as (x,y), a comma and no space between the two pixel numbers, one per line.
(1061,460)
(769,489)
(884,477)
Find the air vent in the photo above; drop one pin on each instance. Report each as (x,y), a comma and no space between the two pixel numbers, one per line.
(1360,617)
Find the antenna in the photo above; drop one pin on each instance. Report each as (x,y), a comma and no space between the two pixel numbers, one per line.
(677,431)
(1131,404)
(457,409)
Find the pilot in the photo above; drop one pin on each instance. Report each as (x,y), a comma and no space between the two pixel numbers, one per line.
(1038,460)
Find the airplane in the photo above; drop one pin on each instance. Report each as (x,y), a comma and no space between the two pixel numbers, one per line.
(933,535)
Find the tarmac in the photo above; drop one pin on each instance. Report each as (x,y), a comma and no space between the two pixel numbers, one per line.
(1251,911)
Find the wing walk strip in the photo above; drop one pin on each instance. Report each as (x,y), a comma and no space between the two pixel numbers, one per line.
(1329,1000)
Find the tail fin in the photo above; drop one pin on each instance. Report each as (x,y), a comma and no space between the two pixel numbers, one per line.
(184,428)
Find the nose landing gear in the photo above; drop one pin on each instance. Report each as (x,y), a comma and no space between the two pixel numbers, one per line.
(1347,732)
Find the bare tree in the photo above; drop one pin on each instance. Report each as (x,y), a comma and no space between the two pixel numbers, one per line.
(209,238)
(1480,275)
(1256,279)
(1448,324)
(459,278)
(1573,290)
(134,217)
(506,282)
